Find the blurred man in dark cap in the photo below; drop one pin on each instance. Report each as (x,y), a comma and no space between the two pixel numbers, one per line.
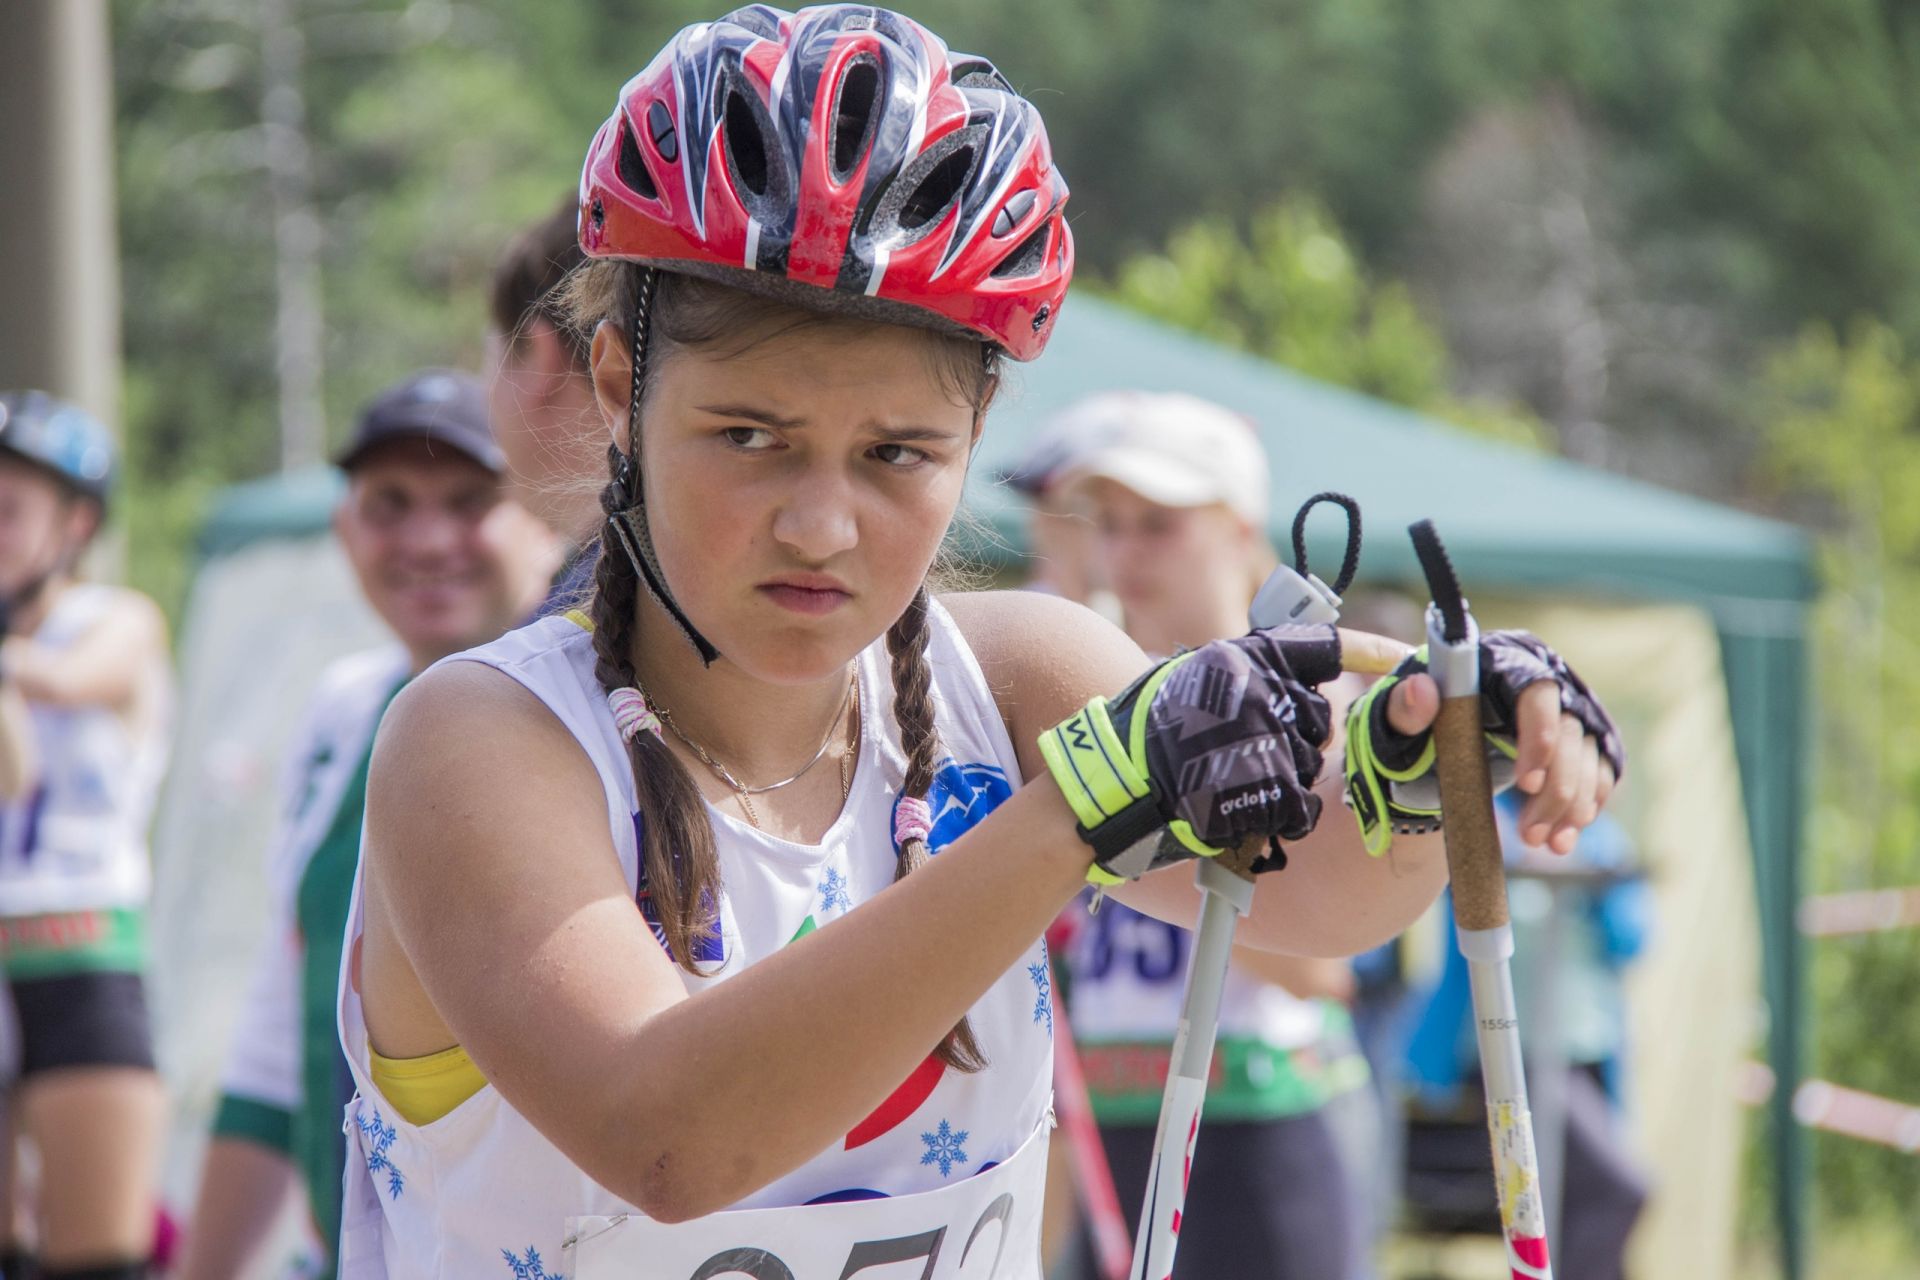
(448,561)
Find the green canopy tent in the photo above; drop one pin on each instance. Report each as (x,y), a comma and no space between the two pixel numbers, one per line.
(1513,521)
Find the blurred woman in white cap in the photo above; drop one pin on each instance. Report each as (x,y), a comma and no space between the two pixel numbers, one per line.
(1062,554)
(1176,488)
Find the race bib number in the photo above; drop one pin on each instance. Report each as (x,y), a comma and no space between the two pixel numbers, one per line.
(985,1228)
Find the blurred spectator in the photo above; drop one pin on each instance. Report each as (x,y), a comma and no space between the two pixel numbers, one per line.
(1178,489)
(540,395)
(1062,549)
(1577,949)
(84,694)
(447,562)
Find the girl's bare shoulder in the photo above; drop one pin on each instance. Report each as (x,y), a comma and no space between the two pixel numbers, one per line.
(1042,656)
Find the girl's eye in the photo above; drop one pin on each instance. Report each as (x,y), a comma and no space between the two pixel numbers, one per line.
(753,439)
(899,455)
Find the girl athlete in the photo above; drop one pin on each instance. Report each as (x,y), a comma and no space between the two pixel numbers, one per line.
(631,987)
(83,699)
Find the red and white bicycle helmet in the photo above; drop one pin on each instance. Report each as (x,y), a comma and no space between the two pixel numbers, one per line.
(841,148)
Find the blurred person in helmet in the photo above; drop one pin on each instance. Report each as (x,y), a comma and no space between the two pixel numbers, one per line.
(84,693)
(1176,491)
(447,560)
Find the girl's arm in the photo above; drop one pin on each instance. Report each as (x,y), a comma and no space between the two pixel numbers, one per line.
(111,665)
(497,917)
(1045,657)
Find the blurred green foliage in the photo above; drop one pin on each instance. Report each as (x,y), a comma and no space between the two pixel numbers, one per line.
(1293,290)
(1843,417)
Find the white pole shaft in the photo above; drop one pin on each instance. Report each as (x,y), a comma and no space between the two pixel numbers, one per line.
(1225,897)
(1516,1168)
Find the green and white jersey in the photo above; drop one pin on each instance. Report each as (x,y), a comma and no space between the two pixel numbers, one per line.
(285,1079)
(1277,1055)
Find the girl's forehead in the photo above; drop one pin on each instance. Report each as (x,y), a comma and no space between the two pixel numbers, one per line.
(879,371)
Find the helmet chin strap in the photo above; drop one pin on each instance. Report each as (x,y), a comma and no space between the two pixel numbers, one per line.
(629,526)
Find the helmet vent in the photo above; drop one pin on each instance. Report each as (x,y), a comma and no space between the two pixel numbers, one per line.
(632,169)
(976,73)
(746,145)
(937,191)
(660,125)
(853,116)
(913,204)
(1027,259)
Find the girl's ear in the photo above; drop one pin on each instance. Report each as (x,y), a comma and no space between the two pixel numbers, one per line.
(612,377)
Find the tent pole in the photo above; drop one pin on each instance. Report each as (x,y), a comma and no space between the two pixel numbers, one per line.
(1766,686)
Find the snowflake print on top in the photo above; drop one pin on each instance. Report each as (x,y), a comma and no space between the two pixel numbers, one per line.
(381,1136)
(945,1148)
(833,892)
(529,1267)
(1043,991)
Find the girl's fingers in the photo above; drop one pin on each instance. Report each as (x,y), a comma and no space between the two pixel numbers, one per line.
(1367,654)
(1537,711)
(1581,812)
(1561,784)
(1413,704)
(1603,789)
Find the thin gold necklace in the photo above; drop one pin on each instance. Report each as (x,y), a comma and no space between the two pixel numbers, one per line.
(741,791)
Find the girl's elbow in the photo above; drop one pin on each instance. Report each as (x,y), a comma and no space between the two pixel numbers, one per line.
(669,1193)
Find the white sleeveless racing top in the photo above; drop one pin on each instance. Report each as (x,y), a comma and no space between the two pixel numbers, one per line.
(480,1192)
(77,841)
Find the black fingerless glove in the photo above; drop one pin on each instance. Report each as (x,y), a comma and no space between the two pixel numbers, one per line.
(1390,783)
(1205,751)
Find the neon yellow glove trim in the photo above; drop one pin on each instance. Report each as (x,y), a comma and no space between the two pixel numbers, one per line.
(1364,770)
(1086,759)
(1183,832)
(1137,737)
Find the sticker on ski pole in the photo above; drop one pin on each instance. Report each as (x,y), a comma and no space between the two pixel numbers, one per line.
(1516,1173)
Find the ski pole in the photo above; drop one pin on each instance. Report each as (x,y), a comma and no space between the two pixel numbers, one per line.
(1288,597)
(1479,882)
(1092,1173)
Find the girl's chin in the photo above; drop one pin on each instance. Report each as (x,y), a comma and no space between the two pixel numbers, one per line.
(791,657)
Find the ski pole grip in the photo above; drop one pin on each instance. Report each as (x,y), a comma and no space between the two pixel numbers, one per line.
(1474,862)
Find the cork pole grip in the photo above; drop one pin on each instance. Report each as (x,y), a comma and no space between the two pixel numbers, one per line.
(1241,857)
(1466,799)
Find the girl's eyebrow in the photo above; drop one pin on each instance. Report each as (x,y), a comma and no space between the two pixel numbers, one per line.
(765,417)
(768,418)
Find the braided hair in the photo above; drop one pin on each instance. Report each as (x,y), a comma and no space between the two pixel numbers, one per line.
(680,864)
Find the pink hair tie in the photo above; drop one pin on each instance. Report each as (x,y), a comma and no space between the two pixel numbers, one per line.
(631,714)
(912,820)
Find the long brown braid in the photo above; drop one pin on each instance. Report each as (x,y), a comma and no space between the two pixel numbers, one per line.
(913,712)
(681,865)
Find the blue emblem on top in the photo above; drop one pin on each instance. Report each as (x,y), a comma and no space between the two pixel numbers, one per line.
(961,795)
